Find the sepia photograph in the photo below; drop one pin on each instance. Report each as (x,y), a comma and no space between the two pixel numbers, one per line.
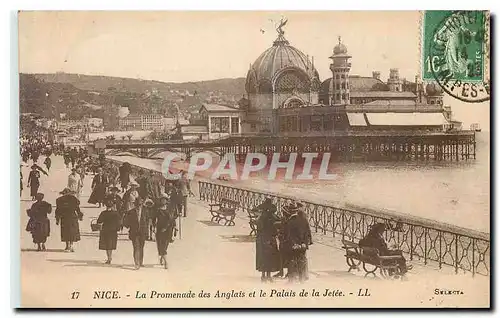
(254,159)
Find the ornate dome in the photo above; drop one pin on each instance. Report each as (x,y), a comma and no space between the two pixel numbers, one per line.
(340,49)
(278,60)
(433,89)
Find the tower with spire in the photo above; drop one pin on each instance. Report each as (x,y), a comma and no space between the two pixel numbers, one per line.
(340,68)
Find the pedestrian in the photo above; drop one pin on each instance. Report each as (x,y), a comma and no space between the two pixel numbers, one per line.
(67,159)
(117,201)
(164,216)
(34,181)
(39,224)
(68,214)
(47,162)
(124,175)
(109,220)
(185,191)
(267,256)
(136,220)
(75,183)
(99,185)
(298,234)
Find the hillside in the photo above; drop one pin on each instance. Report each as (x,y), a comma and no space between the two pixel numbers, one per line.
(81,95)
(232,87)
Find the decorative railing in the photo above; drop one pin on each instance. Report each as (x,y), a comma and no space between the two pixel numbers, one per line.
(420,239)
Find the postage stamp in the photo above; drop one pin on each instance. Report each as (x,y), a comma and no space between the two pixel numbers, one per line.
(455,53)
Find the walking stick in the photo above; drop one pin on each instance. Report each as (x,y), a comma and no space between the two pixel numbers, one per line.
(180,227)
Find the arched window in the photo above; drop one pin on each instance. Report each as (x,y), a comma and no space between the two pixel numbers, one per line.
(293,103)
(292,81)
(343,85)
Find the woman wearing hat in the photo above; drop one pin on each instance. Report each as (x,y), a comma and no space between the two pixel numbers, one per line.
(68,214)
(164,216)
(109,220)
(297,232)
(75,182)
(267,256)
(34,180)
(99,185)
(39,224)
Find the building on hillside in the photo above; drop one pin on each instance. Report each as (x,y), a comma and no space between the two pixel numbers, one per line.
(95,124)
(221,121)
(191,132)
(142,122)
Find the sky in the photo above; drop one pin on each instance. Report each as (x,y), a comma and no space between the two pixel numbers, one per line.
(180,46)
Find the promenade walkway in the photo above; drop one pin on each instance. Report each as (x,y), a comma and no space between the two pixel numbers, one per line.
(207,258)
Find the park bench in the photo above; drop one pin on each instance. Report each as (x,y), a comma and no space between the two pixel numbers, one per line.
(356,255)
(253,215)
(224,211)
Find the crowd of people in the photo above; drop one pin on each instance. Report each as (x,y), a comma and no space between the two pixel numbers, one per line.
(149,210)
(149,206)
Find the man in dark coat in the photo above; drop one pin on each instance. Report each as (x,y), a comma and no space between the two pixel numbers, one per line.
(267,256)
(137,221)
(68,214)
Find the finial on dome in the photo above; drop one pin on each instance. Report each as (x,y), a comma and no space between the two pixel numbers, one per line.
(340,39)
(281,34)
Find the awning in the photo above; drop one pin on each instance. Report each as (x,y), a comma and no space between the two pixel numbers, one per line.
(356,119)
(406,119)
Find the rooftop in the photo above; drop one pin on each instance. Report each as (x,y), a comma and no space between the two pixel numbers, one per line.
(220,108)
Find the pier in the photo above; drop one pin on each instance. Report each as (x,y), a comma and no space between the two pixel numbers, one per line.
(344,146)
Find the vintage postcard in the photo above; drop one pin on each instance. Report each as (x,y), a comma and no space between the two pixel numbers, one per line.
(258,159)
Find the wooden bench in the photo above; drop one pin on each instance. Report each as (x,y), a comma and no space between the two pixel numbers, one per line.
(224,211)
(356,255)
(253,215)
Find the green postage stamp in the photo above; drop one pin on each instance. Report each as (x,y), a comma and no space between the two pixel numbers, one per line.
(455,53)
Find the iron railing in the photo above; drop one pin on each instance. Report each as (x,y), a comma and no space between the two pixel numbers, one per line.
(426,241)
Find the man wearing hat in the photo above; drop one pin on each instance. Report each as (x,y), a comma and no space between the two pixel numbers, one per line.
(68,214)
(137,221)
(375,239)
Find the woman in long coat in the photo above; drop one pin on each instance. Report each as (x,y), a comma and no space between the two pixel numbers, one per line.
(99,185)
(267,254)
(34,181)
(164,216)
(75,183)
(39,224)
(110,222)
(68,214)
(298,234)
(124,175)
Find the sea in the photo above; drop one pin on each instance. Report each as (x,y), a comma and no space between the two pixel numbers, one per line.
(456,193)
